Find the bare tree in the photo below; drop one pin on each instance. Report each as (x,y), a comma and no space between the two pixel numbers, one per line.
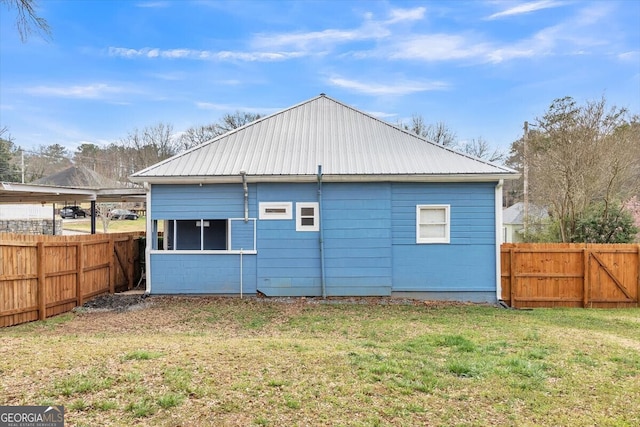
(229,122)
(200,134)
(46,160)
(438,133)
(27,20)
(151,144)
(480,148)
(197,135)
(579,156)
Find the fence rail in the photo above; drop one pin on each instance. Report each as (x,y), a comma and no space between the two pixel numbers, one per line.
(42,276)
(570,275)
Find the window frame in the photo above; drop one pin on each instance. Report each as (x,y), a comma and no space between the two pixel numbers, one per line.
(172,229)
(299,217)
(264,206)
(447,224)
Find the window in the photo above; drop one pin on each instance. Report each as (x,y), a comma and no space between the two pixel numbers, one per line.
(196,234)
(220,235)
(275,210)
(307,217)
(432,224)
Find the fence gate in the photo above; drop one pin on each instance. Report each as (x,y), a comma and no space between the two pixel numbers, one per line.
(570,275)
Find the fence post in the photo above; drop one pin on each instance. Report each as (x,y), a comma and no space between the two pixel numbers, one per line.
(42,303)
(79,273)
(112,265)
(512,278)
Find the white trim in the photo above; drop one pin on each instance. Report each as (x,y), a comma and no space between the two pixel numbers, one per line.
(205,252)
(299,216)
(229,179)
(447,224)
(264,206)
(148,241)
(498,204)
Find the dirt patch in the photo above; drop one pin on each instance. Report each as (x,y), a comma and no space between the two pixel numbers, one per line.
(117,302)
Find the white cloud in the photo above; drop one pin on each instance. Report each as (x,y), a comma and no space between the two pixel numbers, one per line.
(302,41)
(91,91)
(631,56)
(402,15)
(227,107)
(371,29)
(381,115)
(438,47)
(153,4)
(153,53)
(399,88)
(527,8)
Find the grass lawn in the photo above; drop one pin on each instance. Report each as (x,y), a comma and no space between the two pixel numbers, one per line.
(212,361)
(115,225)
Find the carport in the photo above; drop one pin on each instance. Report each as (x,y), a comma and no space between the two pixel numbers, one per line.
(32,193)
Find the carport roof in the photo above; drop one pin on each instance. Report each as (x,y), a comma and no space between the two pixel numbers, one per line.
(11,192)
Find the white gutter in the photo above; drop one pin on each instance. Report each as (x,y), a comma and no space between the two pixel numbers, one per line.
(498,208)
(232,179)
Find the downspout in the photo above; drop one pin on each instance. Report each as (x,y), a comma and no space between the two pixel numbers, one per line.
(243,174)
(498,204)
(321,228)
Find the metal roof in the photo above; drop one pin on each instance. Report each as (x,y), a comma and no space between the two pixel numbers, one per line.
(514,214)
(348,143)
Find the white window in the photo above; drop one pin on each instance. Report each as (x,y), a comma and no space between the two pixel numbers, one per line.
(432,223)
(307,218)
(275,210)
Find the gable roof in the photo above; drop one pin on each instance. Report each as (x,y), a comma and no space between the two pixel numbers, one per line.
(348,143)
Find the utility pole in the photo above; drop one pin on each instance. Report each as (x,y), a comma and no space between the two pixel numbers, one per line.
(525,176)
(22,161)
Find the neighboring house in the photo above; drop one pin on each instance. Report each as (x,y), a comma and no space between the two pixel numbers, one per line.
(81,177)
(513,221)
(321,199)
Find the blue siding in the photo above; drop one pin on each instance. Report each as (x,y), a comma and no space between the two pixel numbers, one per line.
(369,240)
(288,261)
(242,235)
(175,273)
(467,263)
(195,202)
(356,219)
(357,238)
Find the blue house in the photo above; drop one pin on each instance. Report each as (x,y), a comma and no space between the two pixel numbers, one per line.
(321,199)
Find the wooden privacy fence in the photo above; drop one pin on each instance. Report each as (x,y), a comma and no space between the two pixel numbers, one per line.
(570,275)
(42,276)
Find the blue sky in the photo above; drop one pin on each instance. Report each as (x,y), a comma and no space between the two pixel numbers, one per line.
(481,67)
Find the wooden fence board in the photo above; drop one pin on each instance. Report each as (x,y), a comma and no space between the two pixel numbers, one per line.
(570,275)
(42,276)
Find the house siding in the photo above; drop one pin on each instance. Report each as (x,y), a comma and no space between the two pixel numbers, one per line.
(176,273)
(356,227)
(467,263)
(369,241)
(204,273)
